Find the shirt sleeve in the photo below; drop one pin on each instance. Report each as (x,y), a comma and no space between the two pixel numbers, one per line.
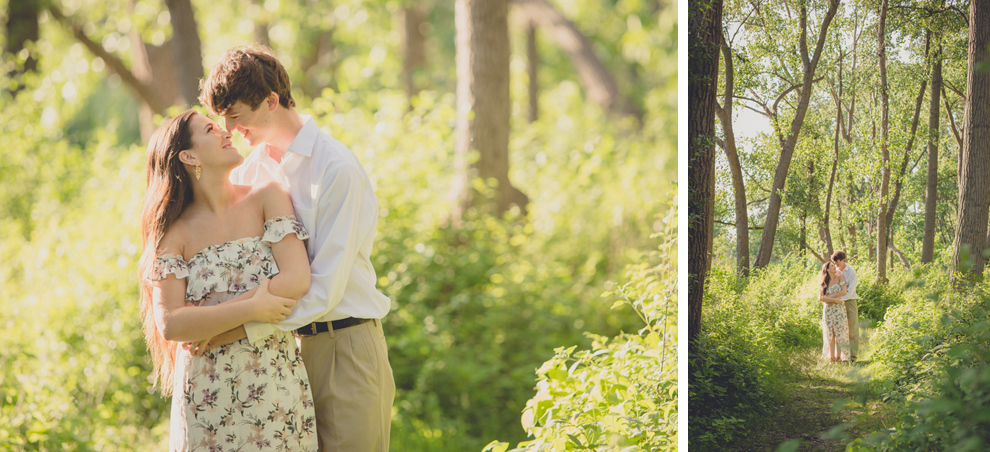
(851,281)
(339,229)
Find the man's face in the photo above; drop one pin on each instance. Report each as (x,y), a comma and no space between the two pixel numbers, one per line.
(841,264)
(253,125)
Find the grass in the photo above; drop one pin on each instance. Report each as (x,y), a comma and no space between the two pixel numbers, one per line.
(822,406)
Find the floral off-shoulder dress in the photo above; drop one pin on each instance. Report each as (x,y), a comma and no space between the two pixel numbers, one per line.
(241,396)
(834,321)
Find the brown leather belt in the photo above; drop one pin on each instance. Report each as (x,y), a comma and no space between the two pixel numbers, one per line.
(322,327)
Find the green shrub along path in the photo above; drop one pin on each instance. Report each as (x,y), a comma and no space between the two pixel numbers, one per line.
(821,406)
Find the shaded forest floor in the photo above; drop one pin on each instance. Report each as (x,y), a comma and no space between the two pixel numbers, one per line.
(823,406)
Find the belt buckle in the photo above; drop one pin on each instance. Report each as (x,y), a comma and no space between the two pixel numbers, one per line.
(306,331)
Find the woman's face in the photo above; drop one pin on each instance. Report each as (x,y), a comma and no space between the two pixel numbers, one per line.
(831,270)
(211,145)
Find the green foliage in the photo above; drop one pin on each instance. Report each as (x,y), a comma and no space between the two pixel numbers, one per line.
(622,392)
(947,403)
(73,366)
(727,385)
(929,359)
(876,299)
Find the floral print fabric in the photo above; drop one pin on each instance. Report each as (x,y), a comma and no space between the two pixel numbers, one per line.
(240,396)
(834,320)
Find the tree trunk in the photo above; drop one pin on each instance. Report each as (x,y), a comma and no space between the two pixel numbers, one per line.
(842,226)
(809,64)
(974,189)
(884,150)
(826,233)
(854,222)
(812,203)
(21,27)
(483,104)
(931,185)
(261,26)
(186,49)
(413,46)
(704,34)
(533,68)
(598,83)
(320,65)
(724,113)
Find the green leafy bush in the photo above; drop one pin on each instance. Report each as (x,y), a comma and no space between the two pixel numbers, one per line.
(876,299)
(947,406)
(727,384)
(622,392)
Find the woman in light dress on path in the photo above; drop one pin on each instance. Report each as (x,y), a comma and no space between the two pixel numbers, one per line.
(209,248)
(835,324)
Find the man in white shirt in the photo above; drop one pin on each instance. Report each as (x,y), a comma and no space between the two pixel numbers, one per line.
(850,299)
(339,320)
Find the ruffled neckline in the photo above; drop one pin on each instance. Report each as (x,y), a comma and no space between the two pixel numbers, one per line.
(220,245)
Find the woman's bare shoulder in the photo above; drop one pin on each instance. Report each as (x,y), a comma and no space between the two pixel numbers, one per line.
(174,239)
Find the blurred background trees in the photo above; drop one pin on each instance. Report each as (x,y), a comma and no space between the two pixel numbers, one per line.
(563,148)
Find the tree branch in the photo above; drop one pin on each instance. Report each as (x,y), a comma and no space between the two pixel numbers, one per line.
(594,76)
(952,120)
(751,228)
(112,61)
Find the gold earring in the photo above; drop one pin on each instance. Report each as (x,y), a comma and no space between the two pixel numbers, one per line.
(199,171)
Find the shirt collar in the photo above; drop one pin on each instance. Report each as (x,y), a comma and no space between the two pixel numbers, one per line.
(304,141)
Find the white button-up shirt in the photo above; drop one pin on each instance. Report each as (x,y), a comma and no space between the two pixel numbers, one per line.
(333,198)
(851,281)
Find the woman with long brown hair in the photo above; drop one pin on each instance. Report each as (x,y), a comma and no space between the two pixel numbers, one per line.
(216,256)
(835,326)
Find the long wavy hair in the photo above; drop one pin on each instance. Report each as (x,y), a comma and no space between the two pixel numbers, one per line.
(168,193)
(825,276)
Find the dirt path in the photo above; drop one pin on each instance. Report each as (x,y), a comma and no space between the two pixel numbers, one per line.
(823,406)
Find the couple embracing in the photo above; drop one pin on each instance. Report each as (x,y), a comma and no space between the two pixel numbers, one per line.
(840,316)
(257,289)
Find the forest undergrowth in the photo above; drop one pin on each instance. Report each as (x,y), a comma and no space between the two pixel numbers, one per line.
(821,406)
(756,382)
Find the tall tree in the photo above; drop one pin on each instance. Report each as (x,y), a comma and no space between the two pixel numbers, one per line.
(186,49)
(884,150)
(974,186)
(728,145)
(21,28)
(483,104)
(413,45)
(931,183)
(704,35)
(809,64)
(597,81)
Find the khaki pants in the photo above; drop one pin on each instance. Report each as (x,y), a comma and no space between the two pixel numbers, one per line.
(852,313)
(352,387)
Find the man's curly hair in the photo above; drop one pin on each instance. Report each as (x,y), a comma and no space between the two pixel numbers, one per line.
(248,74)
